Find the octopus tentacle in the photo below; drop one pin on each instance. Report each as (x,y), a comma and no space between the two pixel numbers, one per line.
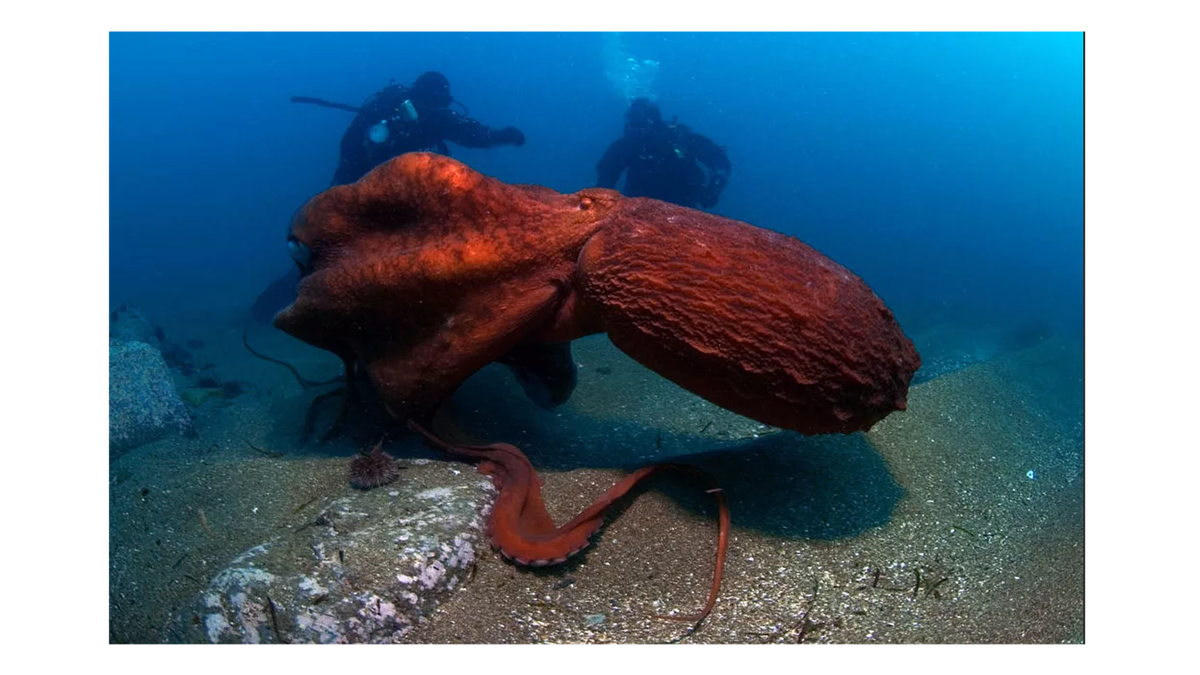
(522,529)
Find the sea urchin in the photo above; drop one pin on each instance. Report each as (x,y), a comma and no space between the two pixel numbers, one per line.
(373,469)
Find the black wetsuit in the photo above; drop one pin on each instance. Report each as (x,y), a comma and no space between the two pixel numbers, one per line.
(675,165)
(430,131)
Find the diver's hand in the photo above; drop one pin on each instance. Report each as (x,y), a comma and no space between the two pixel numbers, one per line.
(510,136)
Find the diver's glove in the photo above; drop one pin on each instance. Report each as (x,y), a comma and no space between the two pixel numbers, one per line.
(509,136)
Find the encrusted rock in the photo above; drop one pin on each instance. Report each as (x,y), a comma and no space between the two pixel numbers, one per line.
(371,566)
(143,405)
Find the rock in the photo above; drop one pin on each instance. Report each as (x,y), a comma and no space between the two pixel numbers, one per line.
(142,403)
(372,566)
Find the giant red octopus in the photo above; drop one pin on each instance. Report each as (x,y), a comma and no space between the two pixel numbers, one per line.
(425,270)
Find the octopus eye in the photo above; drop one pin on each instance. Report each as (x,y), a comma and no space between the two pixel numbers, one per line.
(585,204)
(300,253)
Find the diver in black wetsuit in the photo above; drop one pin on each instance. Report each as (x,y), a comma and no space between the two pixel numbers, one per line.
(664,161)
(402,119)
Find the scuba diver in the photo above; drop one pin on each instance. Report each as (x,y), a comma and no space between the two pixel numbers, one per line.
(664,161)
(400,119)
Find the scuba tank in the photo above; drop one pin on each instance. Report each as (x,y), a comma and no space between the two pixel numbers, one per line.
(408,111)
(405,112)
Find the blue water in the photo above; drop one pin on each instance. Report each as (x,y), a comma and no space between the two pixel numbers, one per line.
(945,169)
